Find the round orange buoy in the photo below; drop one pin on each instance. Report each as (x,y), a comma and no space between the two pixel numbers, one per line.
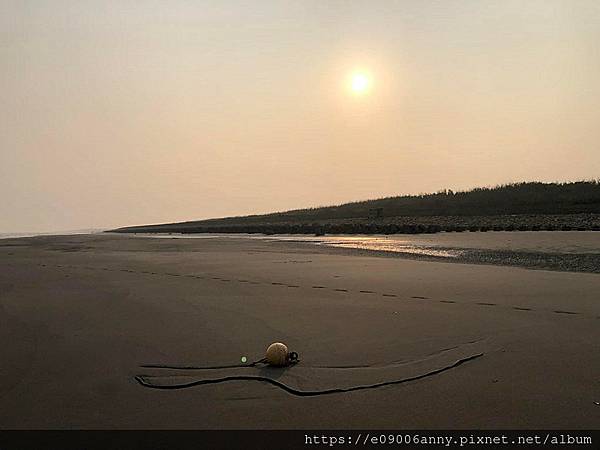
(277,354)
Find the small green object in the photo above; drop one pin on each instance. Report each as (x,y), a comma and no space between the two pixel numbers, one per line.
(244,359)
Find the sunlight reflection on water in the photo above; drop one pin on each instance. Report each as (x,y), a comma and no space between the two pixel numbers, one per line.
(396,247)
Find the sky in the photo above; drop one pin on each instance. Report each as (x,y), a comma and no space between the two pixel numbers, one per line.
(127,112)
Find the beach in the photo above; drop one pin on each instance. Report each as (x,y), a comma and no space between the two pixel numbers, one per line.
(468,345)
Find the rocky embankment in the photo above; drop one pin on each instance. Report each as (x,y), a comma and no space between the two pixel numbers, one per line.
(389,225)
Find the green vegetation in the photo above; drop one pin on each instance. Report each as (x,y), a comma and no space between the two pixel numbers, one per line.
(446,210)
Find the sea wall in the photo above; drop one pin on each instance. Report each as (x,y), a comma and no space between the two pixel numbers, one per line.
(391,225)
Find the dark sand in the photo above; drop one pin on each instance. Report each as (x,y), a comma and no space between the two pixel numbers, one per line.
(80,314)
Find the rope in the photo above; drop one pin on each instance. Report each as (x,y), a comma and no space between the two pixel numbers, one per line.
(300,393)
(234,366)
(293,359)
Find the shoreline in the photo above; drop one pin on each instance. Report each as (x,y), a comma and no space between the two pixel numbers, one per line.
(587,261)
(584,262)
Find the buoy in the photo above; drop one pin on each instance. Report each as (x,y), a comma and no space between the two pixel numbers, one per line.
(277,354)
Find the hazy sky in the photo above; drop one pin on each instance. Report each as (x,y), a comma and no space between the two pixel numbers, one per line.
(130,112)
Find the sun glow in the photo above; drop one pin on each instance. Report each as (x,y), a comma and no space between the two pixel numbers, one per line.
(360,83)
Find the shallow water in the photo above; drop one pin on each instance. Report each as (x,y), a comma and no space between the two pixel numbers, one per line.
(577,251)
(439,244)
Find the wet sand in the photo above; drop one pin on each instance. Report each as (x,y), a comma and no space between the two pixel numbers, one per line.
(79,315)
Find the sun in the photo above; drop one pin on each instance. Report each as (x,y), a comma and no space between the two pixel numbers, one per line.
(360,83)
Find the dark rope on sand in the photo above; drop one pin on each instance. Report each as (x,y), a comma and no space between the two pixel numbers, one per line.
(234,366)
(292,359)
(300,393)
